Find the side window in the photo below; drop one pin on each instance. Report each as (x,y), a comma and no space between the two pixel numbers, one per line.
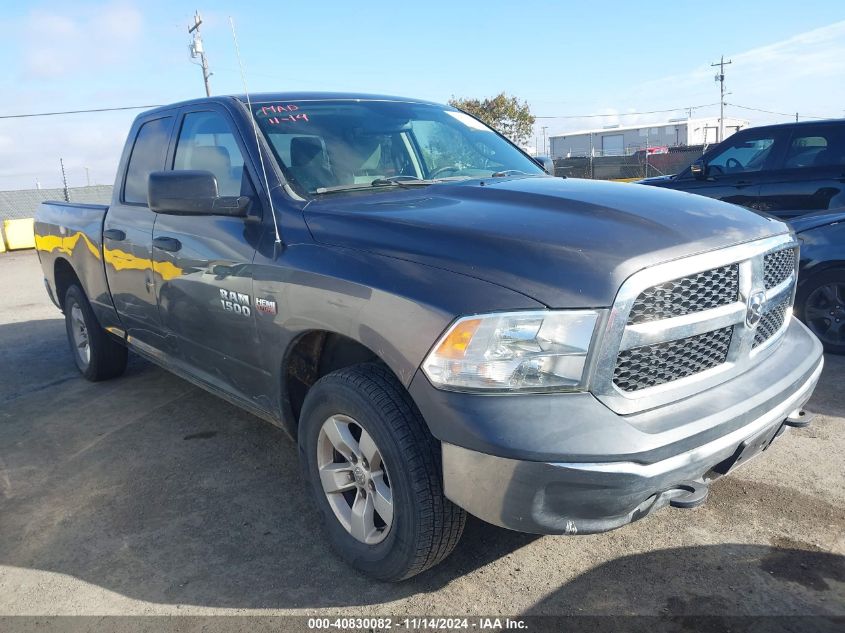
(742,153)
(822,146)
(148,154)
(206,143)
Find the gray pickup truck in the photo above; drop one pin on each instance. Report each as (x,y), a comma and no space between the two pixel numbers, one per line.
(442,327)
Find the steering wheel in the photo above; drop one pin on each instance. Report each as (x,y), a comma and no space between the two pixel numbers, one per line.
(732,164)
(443,170)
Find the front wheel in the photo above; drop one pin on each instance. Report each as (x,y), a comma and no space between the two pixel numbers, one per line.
(375,471)
(97,355)
(821,305)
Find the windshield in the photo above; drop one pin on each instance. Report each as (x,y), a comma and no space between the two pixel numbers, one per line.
(327,146)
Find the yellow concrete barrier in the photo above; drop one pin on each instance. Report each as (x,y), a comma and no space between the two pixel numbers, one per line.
(2,243)
(19,233)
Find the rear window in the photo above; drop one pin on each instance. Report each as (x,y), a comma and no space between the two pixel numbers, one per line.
(148,155)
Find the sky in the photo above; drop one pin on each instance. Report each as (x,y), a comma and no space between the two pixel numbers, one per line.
(565,59)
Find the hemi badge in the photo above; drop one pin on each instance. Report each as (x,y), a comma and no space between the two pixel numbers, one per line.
(265,305)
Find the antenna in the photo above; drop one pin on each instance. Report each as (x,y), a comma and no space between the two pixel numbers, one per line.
(278,242)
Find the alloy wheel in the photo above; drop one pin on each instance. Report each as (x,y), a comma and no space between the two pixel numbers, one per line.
(824,312)
(355,479)
(80,335)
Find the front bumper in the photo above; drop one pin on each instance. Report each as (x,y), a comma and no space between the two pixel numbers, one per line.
(582,469)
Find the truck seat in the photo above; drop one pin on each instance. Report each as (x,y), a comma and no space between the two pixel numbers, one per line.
(307,163)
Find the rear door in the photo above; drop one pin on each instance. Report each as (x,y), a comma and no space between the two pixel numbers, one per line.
(735,167)
(128,233)
(206,298)
(811,175)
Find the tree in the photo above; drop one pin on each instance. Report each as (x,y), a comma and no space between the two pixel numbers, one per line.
(504,113)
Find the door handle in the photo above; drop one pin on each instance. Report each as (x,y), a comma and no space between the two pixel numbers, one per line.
(744,183)
(114,234)
(170,244)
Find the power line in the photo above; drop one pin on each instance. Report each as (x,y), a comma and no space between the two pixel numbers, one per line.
(789,114)
(688,108)
(563,116)
(33,114)
(620,114)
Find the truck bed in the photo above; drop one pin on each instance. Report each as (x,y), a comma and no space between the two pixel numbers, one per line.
(69,243)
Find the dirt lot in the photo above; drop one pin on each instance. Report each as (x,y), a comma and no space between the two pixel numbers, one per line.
(145,495)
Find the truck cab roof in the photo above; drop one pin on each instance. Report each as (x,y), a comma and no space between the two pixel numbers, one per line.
(264,97)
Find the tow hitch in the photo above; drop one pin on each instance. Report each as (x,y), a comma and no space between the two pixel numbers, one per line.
(688,494)
(799,419)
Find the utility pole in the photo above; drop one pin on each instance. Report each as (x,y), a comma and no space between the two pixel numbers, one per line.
(64,180)
(720,77)
(544,128)
(87,177)
(197,50)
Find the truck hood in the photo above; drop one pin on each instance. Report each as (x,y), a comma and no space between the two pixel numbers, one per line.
(562,242)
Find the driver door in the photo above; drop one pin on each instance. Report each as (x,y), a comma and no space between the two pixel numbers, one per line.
(736,167)
(205,298)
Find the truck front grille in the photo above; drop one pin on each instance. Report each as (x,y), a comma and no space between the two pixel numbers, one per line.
(652,365)
(778,266)
(771,322)
(686,325)
(693,293)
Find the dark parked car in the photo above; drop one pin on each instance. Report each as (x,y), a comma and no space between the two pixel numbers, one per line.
(794,171)
(820,301)
(785,170)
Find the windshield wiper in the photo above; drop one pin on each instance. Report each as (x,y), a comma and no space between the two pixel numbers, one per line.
(402,181)
(509,172)
(393,181)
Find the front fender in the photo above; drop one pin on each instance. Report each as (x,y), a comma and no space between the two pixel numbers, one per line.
(396,308)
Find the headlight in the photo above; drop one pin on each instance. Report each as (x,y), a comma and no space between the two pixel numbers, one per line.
(514,351)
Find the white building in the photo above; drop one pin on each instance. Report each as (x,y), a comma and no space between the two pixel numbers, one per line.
(622,140)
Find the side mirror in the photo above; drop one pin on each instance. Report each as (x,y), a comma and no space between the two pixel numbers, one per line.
(546,163)
(189,192)
(698,169)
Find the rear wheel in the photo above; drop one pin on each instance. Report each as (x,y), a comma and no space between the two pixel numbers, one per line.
(374,470)
(97,355)
(821,305)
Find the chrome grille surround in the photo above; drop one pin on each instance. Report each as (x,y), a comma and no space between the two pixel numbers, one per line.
(619,335)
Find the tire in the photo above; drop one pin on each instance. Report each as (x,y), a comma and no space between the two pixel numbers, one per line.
(97,355)
(425,526)
(818,297)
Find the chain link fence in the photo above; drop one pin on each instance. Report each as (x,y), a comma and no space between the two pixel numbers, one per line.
(23,203)
(640,164)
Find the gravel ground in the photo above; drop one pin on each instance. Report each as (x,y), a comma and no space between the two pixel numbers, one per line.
(146,495)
